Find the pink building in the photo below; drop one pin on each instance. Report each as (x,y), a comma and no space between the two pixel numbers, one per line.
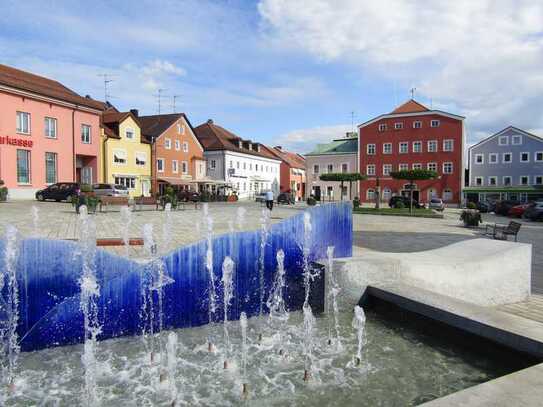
(48,133)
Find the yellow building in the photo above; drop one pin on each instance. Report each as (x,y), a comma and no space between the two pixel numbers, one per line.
(125,156)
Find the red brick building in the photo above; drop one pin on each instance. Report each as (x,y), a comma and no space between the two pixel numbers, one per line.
(293,177)
(410,137)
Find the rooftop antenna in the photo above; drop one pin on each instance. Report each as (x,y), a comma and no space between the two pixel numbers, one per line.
(352,122)
(413,90)
(175,97)
(107,81)
(159,95)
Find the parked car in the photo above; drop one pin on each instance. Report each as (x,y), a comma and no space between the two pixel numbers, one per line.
(486,206)
(61,191)
(405,199)
(534,211)
(437,204)
(286,198)
(110,190)
(502,207)
(188,196)
(518,210)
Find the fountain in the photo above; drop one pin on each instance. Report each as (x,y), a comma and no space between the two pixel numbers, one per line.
(171,352)
(359,323)
(331,299)
(212,292)
(264,231)
(35,221)
(240,217)
(166,227)
(126,222)
(278,315)
(228,294)
(243,325)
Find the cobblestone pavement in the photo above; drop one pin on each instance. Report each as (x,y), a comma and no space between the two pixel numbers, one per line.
(58,220)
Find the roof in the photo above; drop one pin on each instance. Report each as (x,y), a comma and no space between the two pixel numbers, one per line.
(111,119)
(339,146)
(153,126)
(26,81)
(294,160)
(513,128)
(411,106)
(216,138)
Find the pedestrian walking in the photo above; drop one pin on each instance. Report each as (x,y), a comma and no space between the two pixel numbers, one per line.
(269,200)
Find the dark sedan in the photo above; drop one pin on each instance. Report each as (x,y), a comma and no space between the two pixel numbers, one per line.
(394,202)
(61,191)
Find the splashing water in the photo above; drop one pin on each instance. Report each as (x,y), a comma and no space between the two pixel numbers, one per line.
(35,220)
(166,227)
(243,326)
(309,319)
(90,291)
(264,232)
(309,324)
(228,288)
(306,251)
(171,352)
(147,302)
(240,217)
(331,301)
(126,221)
(212,291)
(278,316)
(359,322)
(10,304)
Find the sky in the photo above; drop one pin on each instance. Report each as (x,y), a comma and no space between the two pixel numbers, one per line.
(290,72)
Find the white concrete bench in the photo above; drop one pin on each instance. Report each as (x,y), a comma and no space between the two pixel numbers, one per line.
(480,271)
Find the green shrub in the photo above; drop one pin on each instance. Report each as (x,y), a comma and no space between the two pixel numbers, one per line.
(311,201)
(471,217)
(86,188)
(471,205)
(356,202)
(3,191)
(399,205)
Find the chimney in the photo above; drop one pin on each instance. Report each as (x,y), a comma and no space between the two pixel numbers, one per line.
(258,148)
(135,112)
(240,143)
(278,148)
(209,121)
(250,145)
(88,97)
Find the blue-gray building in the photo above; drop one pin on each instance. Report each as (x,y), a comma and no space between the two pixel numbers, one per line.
(506,165)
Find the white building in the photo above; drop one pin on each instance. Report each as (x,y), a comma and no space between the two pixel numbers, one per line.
(247,167)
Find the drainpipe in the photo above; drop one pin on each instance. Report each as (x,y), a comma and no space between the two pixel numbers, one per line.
(73,146)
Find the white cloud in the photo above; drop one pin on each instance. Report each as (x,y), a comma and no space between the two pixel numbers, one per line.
(304,140)
(158,67)
(480,58)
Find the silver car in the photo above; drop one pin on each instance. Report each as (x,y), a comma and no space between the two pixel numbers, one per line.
(437,204)
(110,190)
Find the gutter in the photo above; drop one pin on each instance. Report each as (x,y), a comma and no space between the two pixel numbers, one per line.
(73,147)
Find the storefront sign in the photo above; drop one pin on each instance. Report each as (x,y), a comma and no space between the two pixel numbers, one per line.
(16,141)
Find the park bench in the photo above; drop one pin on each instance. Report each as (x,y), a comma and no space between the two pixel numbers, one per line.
(107,201)
(501,232)
(145,200)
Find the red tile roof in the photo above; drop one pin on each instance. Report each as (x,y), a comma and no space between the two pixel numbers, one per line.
(410,107)
(214,137)
(29,82)
(294,160)
(112,118)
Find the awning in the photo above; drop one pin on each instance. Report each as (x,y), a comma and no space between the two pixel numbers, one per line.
(175,181)
(256,179)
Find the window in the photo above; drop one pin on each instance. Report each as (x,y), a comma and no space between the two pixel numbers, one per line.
(387,169)
(141,159)
(175,166)
(231,164)
(23,122)
(417,147)
(344,167)
(245,166)
(119,157)
(493,158)
(237,165)
(213,164)
(382,127)
(167,144)
(315,169)
(434,123)
(370,195)
(129,133)
(370,149)
(370,169)
(185,147)
(256,167)
(417,166)
(478,181)
(330,168)
(180,128)
(251,166)
(516,140)
(85,134)
(50,168)
(177,145)
(524,180)
(387,148)
(506,158)
(50,127)
(447,195)
(431,166)
(23,166)
(447,168)
(538,180)
(127,182)
(160,165)
(538,156)
(448,145)
(506,180)
(184,167)
(503,141)
(417,124)
(398,126)
(432,146)
(387,194)
(404,147)
(403,167)
(479,159)
(524,157)
(493,181)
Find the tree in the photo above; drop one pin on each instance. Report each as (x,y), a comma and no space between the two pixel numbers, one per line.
(342,177)
(413,175)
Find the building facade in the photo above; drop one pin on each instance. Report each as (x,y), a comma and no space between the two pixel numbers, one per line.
(341,155)
(412,137)
(293,174)
(125,156)
(506,165)
(48,133)
(177,155)
(244,166)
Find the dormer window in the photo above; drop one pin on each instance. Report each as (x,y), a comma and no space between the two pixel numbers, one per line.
(417,124)
(129,134)
(382,127)
(434,123)
(240,143)
(398,126)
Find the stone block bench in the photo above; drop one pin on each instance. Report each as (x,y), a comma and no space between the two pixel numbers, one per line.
(107,201)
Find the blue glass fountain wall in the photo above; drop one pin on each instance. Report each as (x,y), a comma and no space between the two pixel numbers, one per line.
(49,270)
